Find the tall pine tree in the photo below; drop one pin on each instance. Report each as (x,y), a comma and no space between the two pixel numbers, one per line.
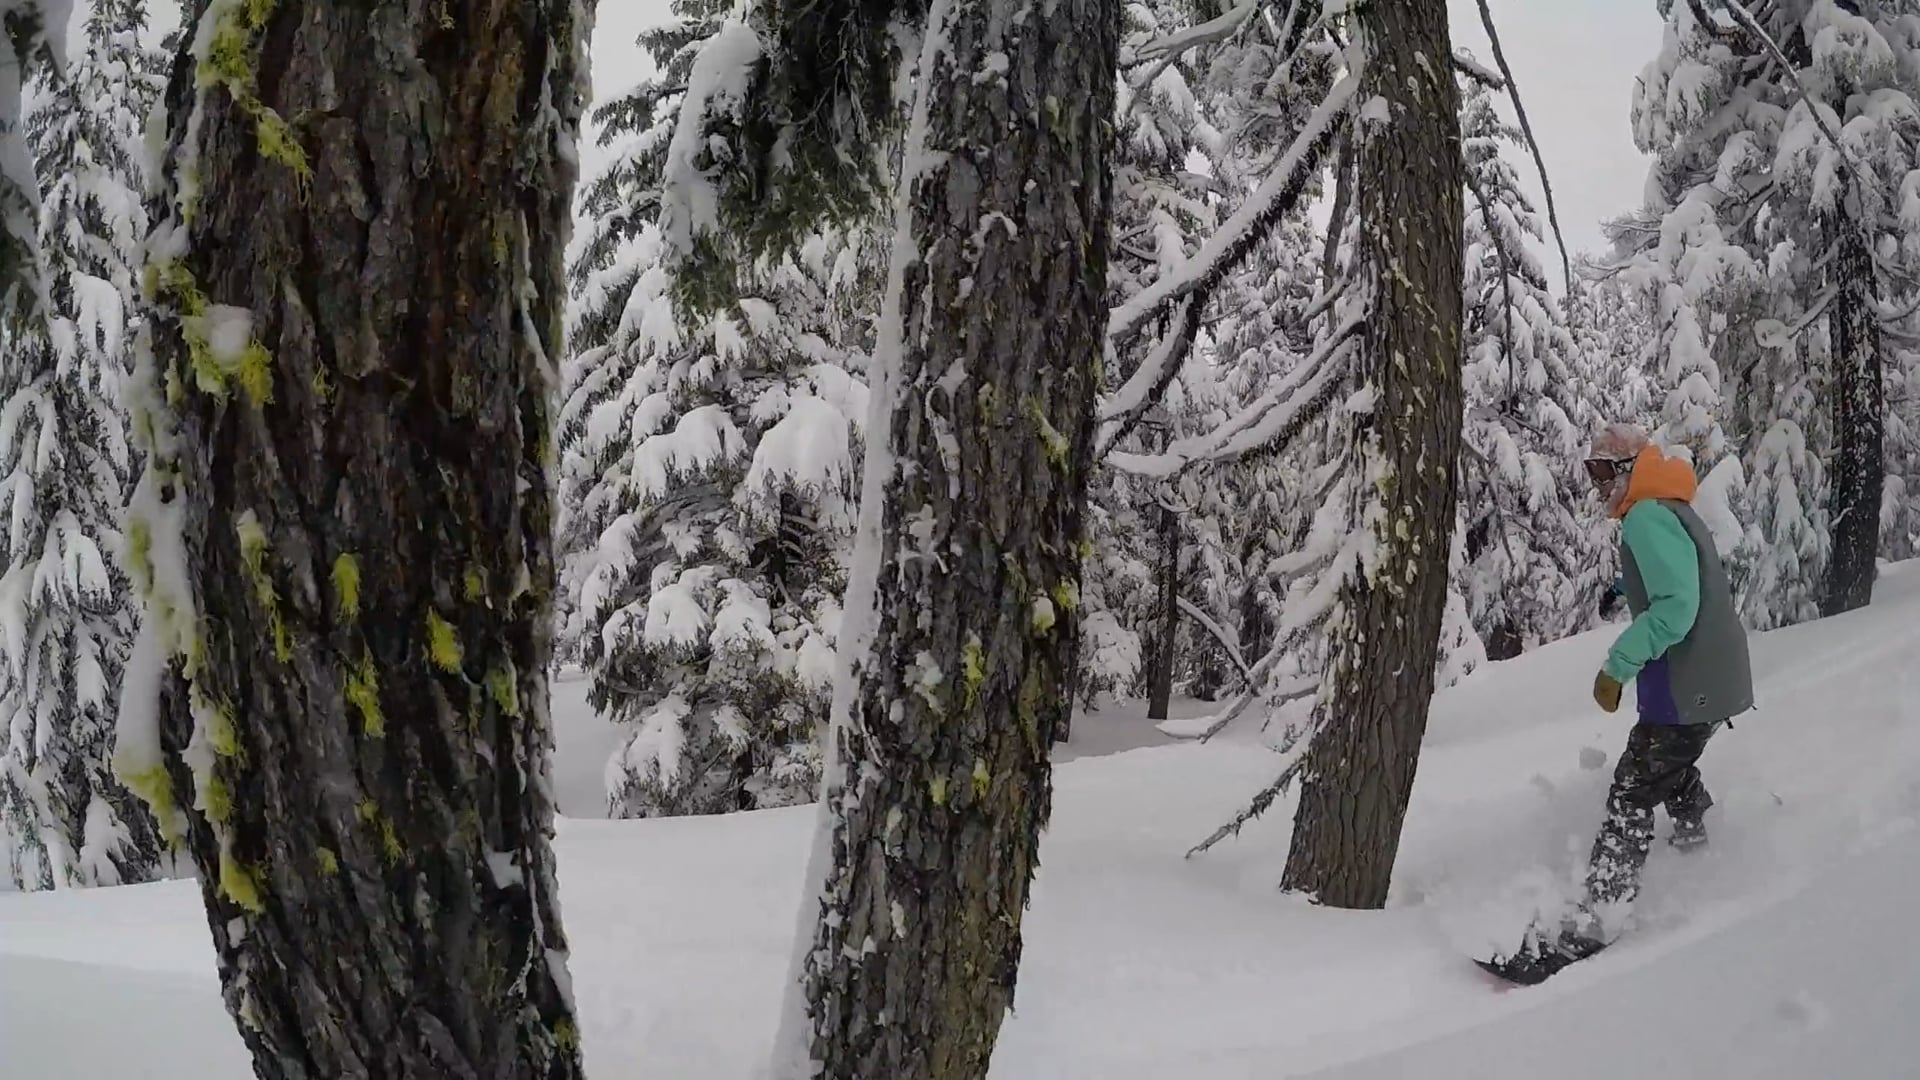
(344,530)
(1529,570)
(66,604)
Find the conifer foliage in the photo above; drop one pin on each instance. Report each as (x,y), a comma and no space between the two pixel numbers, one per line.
(708,477)
(66,605)
(1526,570)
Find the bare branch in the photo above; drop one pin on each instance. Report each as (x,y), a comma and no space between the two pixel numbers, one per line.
(1342,205)
(1533,144)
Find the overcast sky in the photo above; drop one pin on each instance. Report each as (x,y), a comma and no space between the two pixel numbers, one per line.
(1575,61)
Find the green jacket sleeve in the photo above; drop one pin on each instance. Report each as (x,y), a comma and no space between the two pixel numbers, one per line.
(1670,568)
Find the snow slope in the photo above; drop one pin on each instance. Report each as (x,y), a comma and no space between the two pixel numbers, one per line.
(1785,950)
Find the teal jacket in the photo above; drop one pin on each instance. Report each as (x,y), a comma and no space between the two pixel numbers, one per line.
(1669,566)
(1685,650)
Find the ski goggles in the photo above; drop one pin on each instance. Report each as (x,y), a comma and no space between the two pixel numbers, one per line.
(1604,471)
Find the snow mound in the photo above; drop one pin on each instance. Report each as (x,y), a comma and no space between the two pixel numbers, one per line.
(1782,951)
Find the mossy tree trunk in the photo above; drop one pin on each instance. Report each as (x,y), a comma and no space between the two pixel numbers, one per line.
(345,529)
(1360,768)
(974,520)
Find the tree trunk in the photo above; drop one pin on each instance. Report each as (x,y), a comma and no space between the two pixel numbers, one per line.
(345,530)
(1359,771)
(1857,397)
(1160,682)
(964,601)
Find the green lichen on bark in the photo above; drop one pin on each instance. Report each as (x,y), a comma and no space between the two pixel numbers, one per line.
(1041,618)
(240,884)
(504,686)
(223,732)
(253,559)
(155,788)
(370,815)
(443,645)
(1054,445)
(973,661)
(346,584)
(232,56)
(217,798)
(1066,594)
(363,693)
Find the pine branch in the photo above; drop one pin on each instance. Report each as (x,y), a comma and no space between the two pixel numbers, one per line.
(1533,144)
(1261,803)
(1169,47)
(1470,68)
(1759,33)
(1150,380)
(1299,396)
(1211,626)
(1506,272)
(1229,247)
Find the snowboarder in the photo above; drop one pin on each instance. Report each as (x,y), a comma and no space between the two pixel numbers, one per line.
(1686,653)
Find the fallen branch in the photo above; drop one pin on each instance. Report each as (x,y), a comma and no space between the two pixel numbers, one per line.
(1260,805)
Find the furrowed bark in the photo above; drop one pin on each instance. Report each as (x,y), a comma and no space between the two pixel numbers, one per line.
(1359,771)
(941,783)
(356,451)
(1857,397)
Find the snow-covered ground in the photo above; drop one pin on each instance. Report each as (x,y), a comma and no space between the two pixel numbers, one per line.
(1785,950)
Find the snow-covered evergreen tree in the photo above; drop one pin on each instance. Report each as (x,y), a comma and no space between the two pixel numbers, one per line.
(36,33)
(708,475)
(1528,574)
(608,255)
(1782,231)
(66,606)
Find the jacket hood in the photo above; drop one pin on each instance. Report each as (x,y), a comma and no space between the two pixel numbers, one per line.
(1657,476)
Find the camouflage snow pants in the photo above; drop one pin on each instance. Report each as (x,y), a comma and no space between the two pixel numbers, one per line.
(1659,766)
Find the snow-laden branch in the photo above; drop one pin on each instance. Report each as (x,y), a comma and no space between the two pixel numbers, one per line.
(1123,411)
(1533,144)
(1474,70)
(1270,421)
(1506,273)
(1280,193)
(1220,635)
(1759,33)
(1212,31)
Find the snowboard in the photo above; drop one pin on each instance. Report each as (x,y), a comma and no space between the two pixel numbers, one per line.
(1529,967)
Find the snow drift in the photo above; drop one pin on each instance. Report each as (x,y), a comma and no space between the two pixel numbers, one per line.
(1783,951)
